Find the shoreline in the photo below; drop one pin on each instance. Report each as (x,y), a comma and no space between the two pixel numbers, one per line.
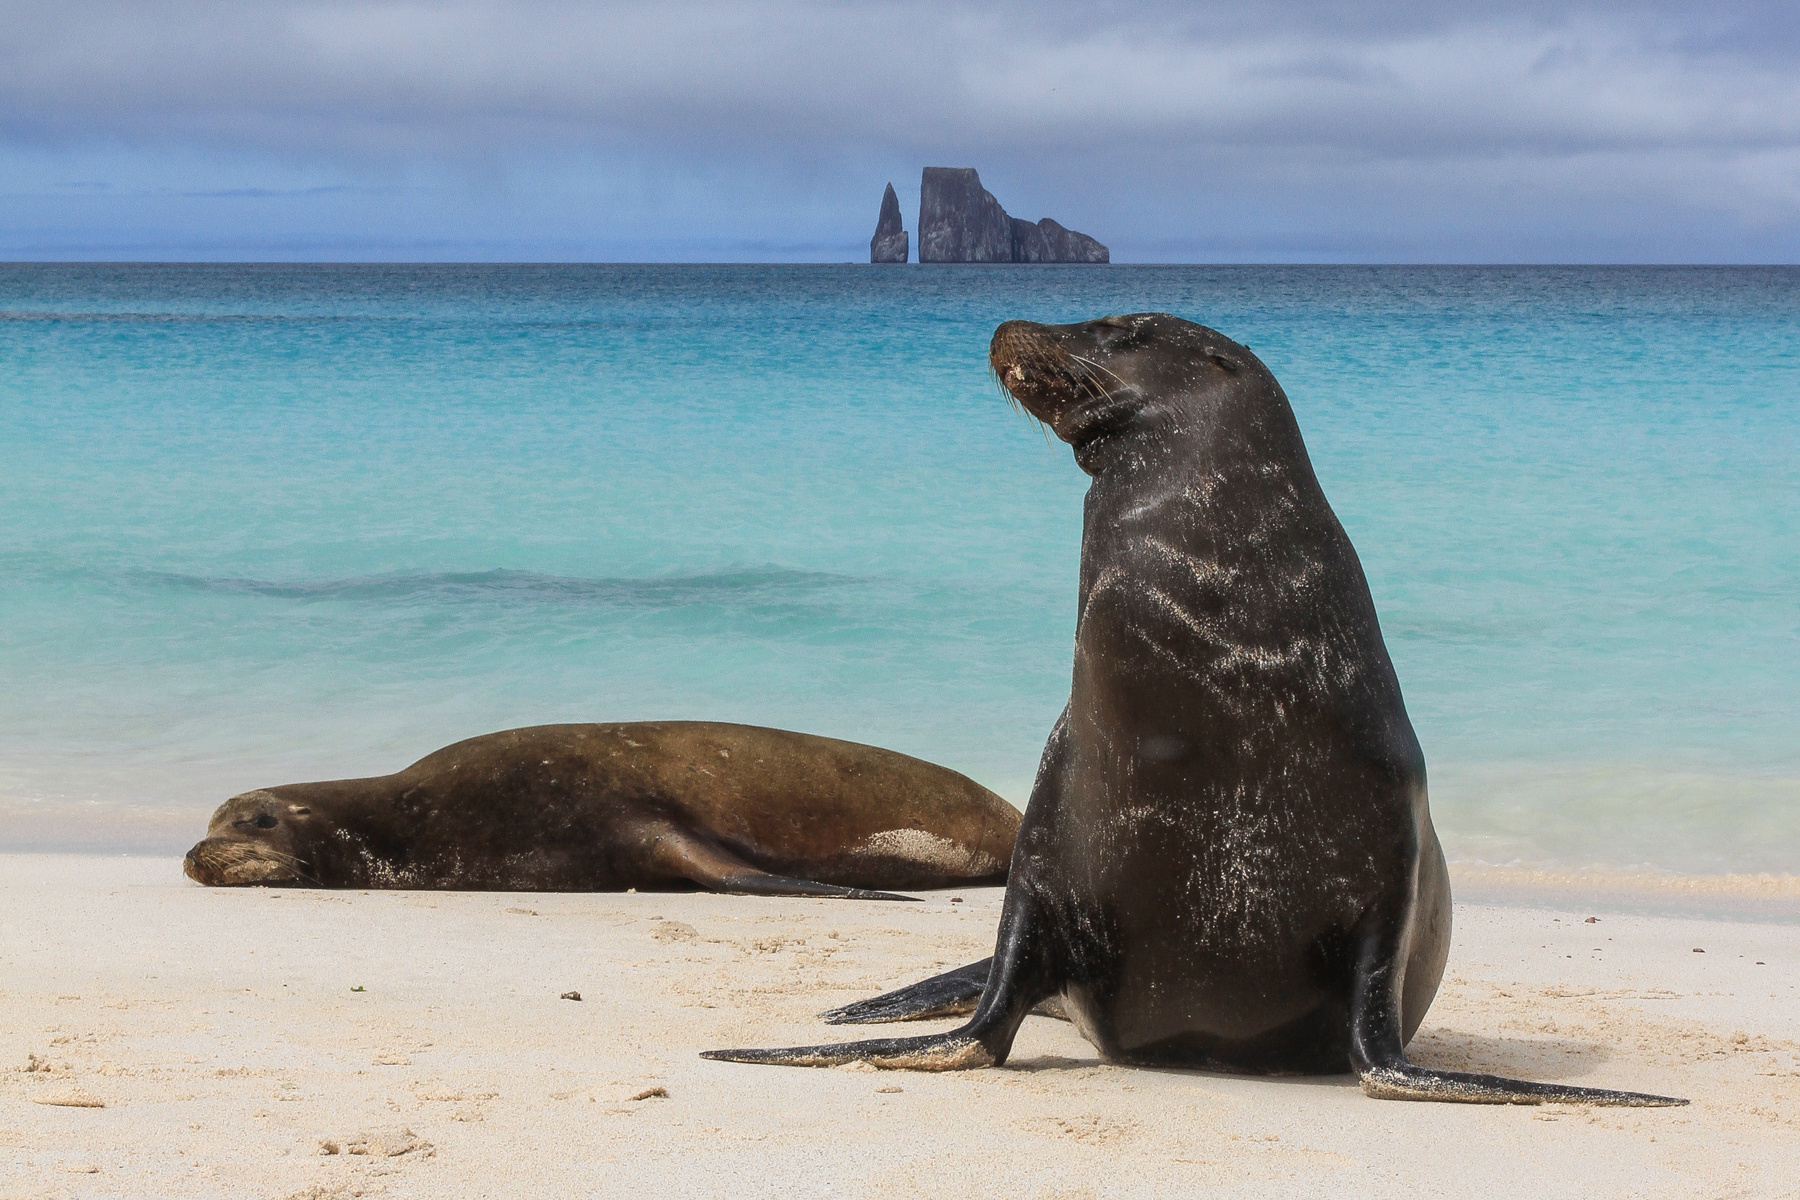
(157,1037)
(1734,897)
(1760,896)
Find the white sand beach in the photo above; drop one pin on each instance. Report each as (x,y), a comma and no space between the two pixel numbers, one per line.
(161,1039)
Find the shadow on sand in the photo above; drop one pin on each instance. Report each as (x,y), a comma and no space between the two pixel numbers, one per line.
(1544,1059)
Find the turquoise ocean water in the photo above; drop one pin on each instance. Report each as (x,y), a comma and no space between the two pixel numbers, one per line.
(261,524)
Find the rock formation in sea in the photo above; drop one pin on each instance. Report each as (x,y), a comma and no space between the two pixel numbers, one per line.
(1049,242)
(890,243)
(961,222)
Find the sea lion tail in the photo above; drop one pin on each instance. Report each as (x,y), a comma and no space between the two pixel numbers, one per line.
(952,994)
(1404,1081)
(955,1051)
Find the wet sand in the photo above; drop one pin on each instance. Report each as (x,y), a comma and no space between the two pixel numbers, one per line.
(162,1039)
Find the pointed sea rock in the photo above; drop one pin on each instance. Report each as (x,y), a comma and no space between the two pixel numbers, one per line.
(890,243)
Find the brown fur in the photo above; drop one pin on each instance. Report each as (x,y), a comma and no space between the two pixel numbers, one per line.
(647,805)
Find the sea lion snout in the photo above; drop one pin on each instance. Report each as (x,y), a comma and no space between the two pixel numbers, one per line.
(1070,377)
(1032,367)
(235,862)
(1037,373)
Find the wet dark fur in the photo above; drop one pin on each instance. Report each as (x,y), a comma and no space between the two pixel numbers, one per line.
(608,807)
(1227,860)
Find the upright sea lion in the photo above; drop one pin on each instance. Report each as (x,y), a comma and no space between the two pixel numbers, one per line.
(1227,861)
(659,804)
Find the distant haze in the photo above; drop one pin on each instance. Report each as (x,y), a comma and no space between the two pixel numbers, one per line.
(1647,131)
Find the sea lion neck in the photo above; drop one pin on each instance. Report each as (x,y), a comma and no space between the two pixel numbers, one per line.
(1135,432)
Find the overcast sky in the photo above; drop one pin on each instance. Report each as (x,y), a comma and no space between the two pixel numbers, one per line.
(1383,130)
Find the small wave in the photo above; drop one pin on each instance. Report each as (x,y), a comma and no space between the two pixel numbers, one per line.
(742,586)
(181,318)
(173,318)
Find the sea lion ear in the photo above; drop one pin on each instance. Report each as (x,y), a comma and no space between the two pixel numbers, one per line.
(1230,365)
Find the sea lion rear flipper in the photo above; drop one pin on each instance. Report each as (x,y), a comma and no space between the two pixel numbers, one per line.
(685,856)
(951,994)
(1020,978)
(1404,1081)
(1379,1058)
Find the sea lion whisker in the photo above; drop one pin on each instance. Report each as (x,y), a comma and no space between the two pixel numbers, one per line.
(1012,401)
(1098,367)
(1097,391)
(301,866)
(1058,363)
(1085,373)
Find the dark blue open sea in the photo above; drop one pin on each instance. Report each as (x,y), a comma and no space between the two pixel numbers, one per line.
(260,524)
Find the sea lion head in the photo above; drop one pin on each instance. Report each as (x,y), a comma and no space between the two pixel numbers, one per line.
(255,838)
(1099,378)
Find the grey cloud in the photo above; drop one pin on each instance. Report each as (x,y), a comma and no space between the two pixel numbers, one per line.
(484,77)
(1375,124)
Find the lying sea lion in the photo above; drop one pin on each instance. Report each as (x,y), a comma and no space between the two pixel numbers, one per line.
(595,808)
(1227,861)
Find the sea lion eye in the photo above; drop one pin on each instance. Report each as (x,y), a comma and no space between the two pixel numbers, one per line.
(264,821)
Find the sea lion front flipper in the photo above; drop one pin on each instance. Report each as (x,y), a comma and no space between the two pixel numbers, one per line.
(1379,1058)
(682,855)
(1021,977)
(952,994)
